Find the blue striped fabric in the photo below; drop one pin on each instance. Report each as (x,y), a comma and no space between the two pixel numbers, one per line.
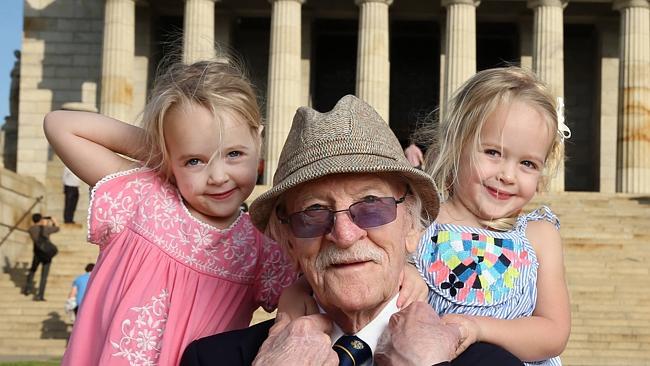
(474,271)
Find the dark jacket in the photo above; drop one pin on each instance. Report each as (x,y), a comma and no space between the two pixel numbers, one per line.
(239,347)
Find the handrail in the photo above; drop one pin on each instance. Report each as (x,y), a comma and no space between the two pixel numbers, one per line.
(15,226)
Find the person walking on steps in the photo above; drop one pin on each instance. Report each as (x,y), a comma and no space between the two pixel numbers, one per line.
(71,192)
(79,285)
(43,226)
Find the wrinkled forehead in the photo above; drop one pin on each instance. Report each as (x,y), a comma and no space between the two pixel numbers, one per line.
(348,186)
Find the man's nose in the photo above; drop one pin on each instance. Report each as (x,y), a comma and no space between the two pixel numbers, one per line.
(345,232)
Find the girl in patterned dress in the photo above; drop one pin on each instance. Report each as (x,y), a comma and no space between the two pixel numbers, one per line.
(496,272)
(178,258)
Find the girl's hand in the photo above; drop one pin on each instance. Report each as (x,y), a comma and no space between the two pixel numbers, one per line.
(468,327)
(413,288)
(297,300)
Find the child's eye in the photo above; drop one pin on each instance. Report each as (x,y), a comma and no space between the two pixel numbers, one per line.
(529,164)
(193,162)
(492,152)
(234,154)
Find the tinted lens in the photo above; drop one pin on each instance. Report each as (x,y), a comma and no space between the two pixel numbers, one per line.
(311,223)
(367,214)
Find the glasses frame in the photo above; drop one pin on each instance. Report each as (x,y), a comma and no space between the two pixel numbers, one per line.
(286,219)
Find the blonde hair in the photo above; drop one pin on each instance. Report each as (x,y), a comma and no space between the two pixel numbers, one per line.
(216,85)
(465,115)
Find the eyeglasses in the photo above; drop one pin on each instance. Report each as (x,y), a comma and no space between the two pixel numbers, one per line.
(369,213)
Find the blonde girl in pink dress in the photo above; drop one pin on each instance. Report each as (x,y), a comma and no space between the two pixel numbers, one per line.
(178,258)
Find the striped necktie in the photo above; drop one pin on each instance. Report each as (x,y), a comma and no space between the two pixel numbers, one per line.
(352,351)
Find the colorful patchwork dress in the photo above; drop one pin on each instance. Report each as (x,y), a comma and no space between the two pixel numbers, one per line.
(164,278)
(473,271)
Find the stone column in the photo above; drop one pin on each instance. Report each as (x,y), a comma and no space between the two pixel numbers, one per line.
(548,55)
(609,68)
(373,65)
(460,44)
(284,90)
(198,30)
(633,166)
(305,62)
(117,59)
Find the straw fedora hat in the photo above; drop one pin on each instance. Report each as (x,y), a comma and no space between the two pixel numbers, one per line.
(351,138)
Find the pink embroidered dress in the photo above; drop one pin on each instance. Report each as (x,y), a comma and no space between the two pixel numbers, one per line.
(164,278)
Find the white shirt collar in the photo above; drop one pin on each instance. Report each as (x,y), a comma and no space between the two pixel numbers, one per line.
(373,330)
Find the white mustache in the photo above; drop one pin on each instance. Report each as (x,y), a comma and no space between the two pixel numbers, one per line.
(331,255)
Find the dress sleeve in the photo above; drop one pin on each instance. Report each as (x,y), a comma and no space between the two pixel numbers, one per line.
(275,272)
(542,213)
(114,202)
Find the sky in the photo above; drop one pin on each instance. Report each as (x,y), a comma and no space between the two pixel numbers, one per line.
(11,26)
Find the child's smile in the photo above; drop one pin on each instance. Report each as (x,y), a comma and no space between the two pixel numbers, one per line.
(213,162)
(500,177)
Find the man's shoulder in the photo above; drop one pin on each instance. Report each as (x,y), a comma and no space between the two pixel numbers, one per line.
(237,347)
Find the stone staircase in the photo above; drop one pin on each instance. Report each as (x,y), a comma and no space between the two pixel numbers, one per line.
(30,328)
(607,251)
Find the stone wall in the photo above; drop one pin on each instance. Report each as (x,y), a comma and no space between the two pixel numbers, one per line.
(17,194)
(60,63)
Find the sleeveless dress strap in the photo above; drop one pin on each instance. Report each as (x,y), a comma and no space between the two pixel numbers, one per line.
(541,213)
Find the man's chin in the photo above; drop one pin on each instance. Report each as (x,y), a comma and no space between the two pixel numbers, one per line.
(351,296)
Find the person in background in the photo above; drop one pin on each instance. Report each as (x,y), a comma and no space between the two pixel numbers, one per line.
(414,155)
(71,192)
(78,289)
(43,225)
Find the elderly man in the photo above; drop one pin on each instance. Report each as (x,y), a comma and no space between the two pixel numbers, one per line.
(347,207)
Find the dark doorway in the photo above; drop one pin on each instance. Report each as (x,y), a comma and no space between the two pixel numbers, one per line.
(166,41)
(497,44)
(250,39)
(414,75)
(334,61)
(582,112)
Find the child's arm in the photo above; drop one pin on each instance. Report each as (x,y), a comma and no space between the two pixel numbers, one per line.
(297,300)
(413,288)
(546,332)
(89,143)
